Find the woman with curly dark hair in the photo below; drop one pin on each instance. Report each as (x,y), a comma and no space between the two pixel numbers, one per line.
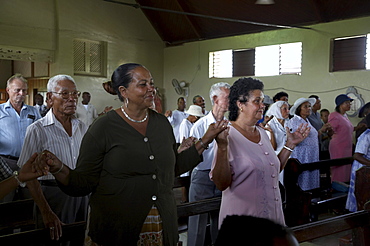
(245,166)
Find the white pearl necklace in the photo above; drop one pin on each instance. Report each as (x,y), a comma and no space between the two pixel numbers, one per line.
(137,121)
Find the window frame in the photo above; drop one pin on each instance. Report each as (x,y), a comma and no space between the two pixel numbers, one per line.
(245,63)
(349,53)
(87,56)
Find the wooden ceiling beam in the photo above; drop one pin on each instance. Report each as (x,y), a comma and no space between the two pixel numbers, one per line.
(182,6)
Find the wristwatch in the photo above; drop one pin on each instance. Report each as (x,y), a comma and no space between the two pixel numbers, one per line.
(21,184)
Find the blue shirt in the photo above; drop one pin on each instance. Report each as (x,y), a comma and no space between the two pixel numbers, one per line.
(13,127)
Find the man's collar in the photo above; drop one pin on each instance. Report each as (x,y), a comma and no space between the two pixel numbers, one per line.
(50,118)
(8,104)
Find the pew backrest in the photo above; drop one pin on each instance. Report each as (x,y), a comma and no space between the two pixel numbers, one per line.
(358,222)
(300,205)
(71,232)
(17,214)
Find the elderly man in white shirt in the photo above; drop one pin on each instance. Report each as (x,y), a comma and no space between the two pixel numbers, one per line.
(61,133)
(201,186)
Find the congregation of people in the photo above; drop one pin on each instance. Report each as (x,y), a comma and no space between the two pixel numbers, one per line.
(116,169)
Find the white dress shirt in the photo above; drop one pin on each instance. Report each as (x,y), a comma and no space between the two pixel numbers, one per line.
(184,129)
(199,128)
(48,134)
(175,120)
(86,113)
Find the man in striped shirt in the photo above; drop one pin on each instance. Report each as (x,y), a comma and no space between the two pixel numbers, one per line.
(61,133)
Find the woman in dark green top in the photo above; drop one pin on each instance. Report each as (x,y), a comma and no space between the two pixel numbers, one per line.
(128,161)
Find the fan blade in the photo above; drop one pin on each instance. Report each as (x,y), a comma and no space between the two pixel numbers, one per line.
(178,90)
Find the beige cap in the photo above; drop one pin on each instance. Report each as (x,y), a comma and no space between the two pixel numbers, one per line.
(195,110)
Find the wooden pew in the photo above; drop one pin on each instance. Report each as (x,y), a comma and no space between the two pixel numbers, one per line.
(72,232)
(358,222)
(19,214)
(199,207)
(181,182)
(304,206)
(16,215)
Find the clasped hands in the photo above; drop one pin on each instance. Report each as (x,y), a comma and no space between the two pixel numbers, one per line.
(39,165)
(46,162)
(212,132)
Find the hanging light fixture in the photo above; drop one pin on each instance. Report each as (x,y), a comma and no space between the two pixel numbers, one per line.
(265,2)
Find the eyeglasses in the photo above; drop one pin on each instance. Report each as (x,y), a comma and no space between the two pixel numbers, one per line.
(24,91)
(67,94)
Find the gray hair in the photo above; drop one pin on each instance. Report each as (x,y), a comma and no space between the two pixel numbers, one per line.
(216,89)
(53,81)
(16,76)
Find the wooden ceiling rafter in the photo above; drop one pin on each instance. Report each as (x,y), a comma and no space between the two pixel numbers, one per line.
(183,21)
(193,25)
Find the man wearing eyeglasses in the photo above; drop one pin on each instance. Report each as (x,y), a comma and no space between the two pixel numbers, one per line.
(15,117)
(61,133)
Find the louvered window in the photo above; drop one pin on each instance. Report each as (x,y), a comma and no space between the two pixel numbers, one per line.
(220,64)
(89,57)
(290,58)
(349,54)
(262,61)
(279,59)
(368,51)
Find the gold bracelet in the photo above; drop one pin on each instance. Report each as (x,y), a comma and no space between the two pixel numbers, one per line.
(60,169)
(287,148)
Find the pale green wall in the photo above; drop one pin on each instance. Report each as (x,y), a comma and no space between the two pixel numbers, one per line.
(53,24)
(189,62)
